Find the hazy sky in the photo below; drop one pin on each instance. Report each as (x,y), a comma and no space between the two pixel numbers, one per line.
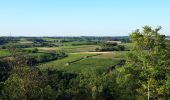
(81,17)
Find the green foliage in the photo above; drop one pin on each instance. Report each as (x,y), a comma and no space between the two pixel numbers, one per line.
(14,87)
(147,65)
(166,88)
(25,83)
(110,47)
(3,47)
(4,40)
(84,75)
(35,50)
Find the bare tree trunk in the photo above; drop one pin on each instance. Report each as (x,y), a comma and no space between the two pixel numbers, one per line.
(148,90)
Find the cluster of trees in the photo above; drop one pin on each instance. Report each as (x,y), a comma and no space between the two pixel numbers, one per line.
(19,45)
(89,39)
(44,57)
(36,40)
(4,40)
(123,39)
(58,41)
(144,75)
(110,46)
(29,45)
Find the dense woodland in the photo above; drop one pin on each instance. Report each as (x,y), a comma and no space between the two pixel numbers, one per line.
(135,67)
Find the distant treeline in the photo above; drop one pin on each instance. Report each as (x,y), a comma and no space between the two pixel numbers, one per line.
(67,39)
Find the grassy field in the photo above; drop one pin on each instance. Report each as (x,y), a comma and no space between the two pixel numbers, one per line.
(4,53)
(61,63)
(95,62)
(77,54)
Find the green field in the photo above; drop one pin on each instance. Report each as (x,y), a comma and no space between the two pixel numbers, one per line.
(76,48)
(95,62)
(4,53)
(61,63)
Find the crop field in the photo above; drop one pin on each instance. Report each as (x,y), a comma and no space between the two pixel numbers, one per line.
(95,61)
(82,48)
(69,49)
(62,63)
(94,64)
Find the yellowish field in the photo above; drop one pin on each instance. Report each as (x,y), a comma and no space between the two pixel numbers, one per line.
(70,49)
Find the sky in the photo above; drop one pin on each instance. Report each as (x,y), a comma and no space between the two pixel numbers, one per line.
(81,17)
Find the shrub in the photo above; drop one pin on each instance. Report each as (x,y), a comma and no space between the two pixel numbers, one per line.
(3,47)
(121,47)
(110,47)
(35,50)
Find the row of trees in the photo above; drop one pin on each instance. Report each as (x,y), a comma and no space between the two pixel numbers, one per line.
(109,46)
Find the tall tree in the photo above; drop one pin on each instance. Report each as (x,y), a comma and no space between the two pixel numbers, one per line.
(147,65)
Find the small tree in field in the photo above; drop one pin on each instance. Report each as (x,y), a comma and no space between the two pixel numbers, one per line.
(147,65)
